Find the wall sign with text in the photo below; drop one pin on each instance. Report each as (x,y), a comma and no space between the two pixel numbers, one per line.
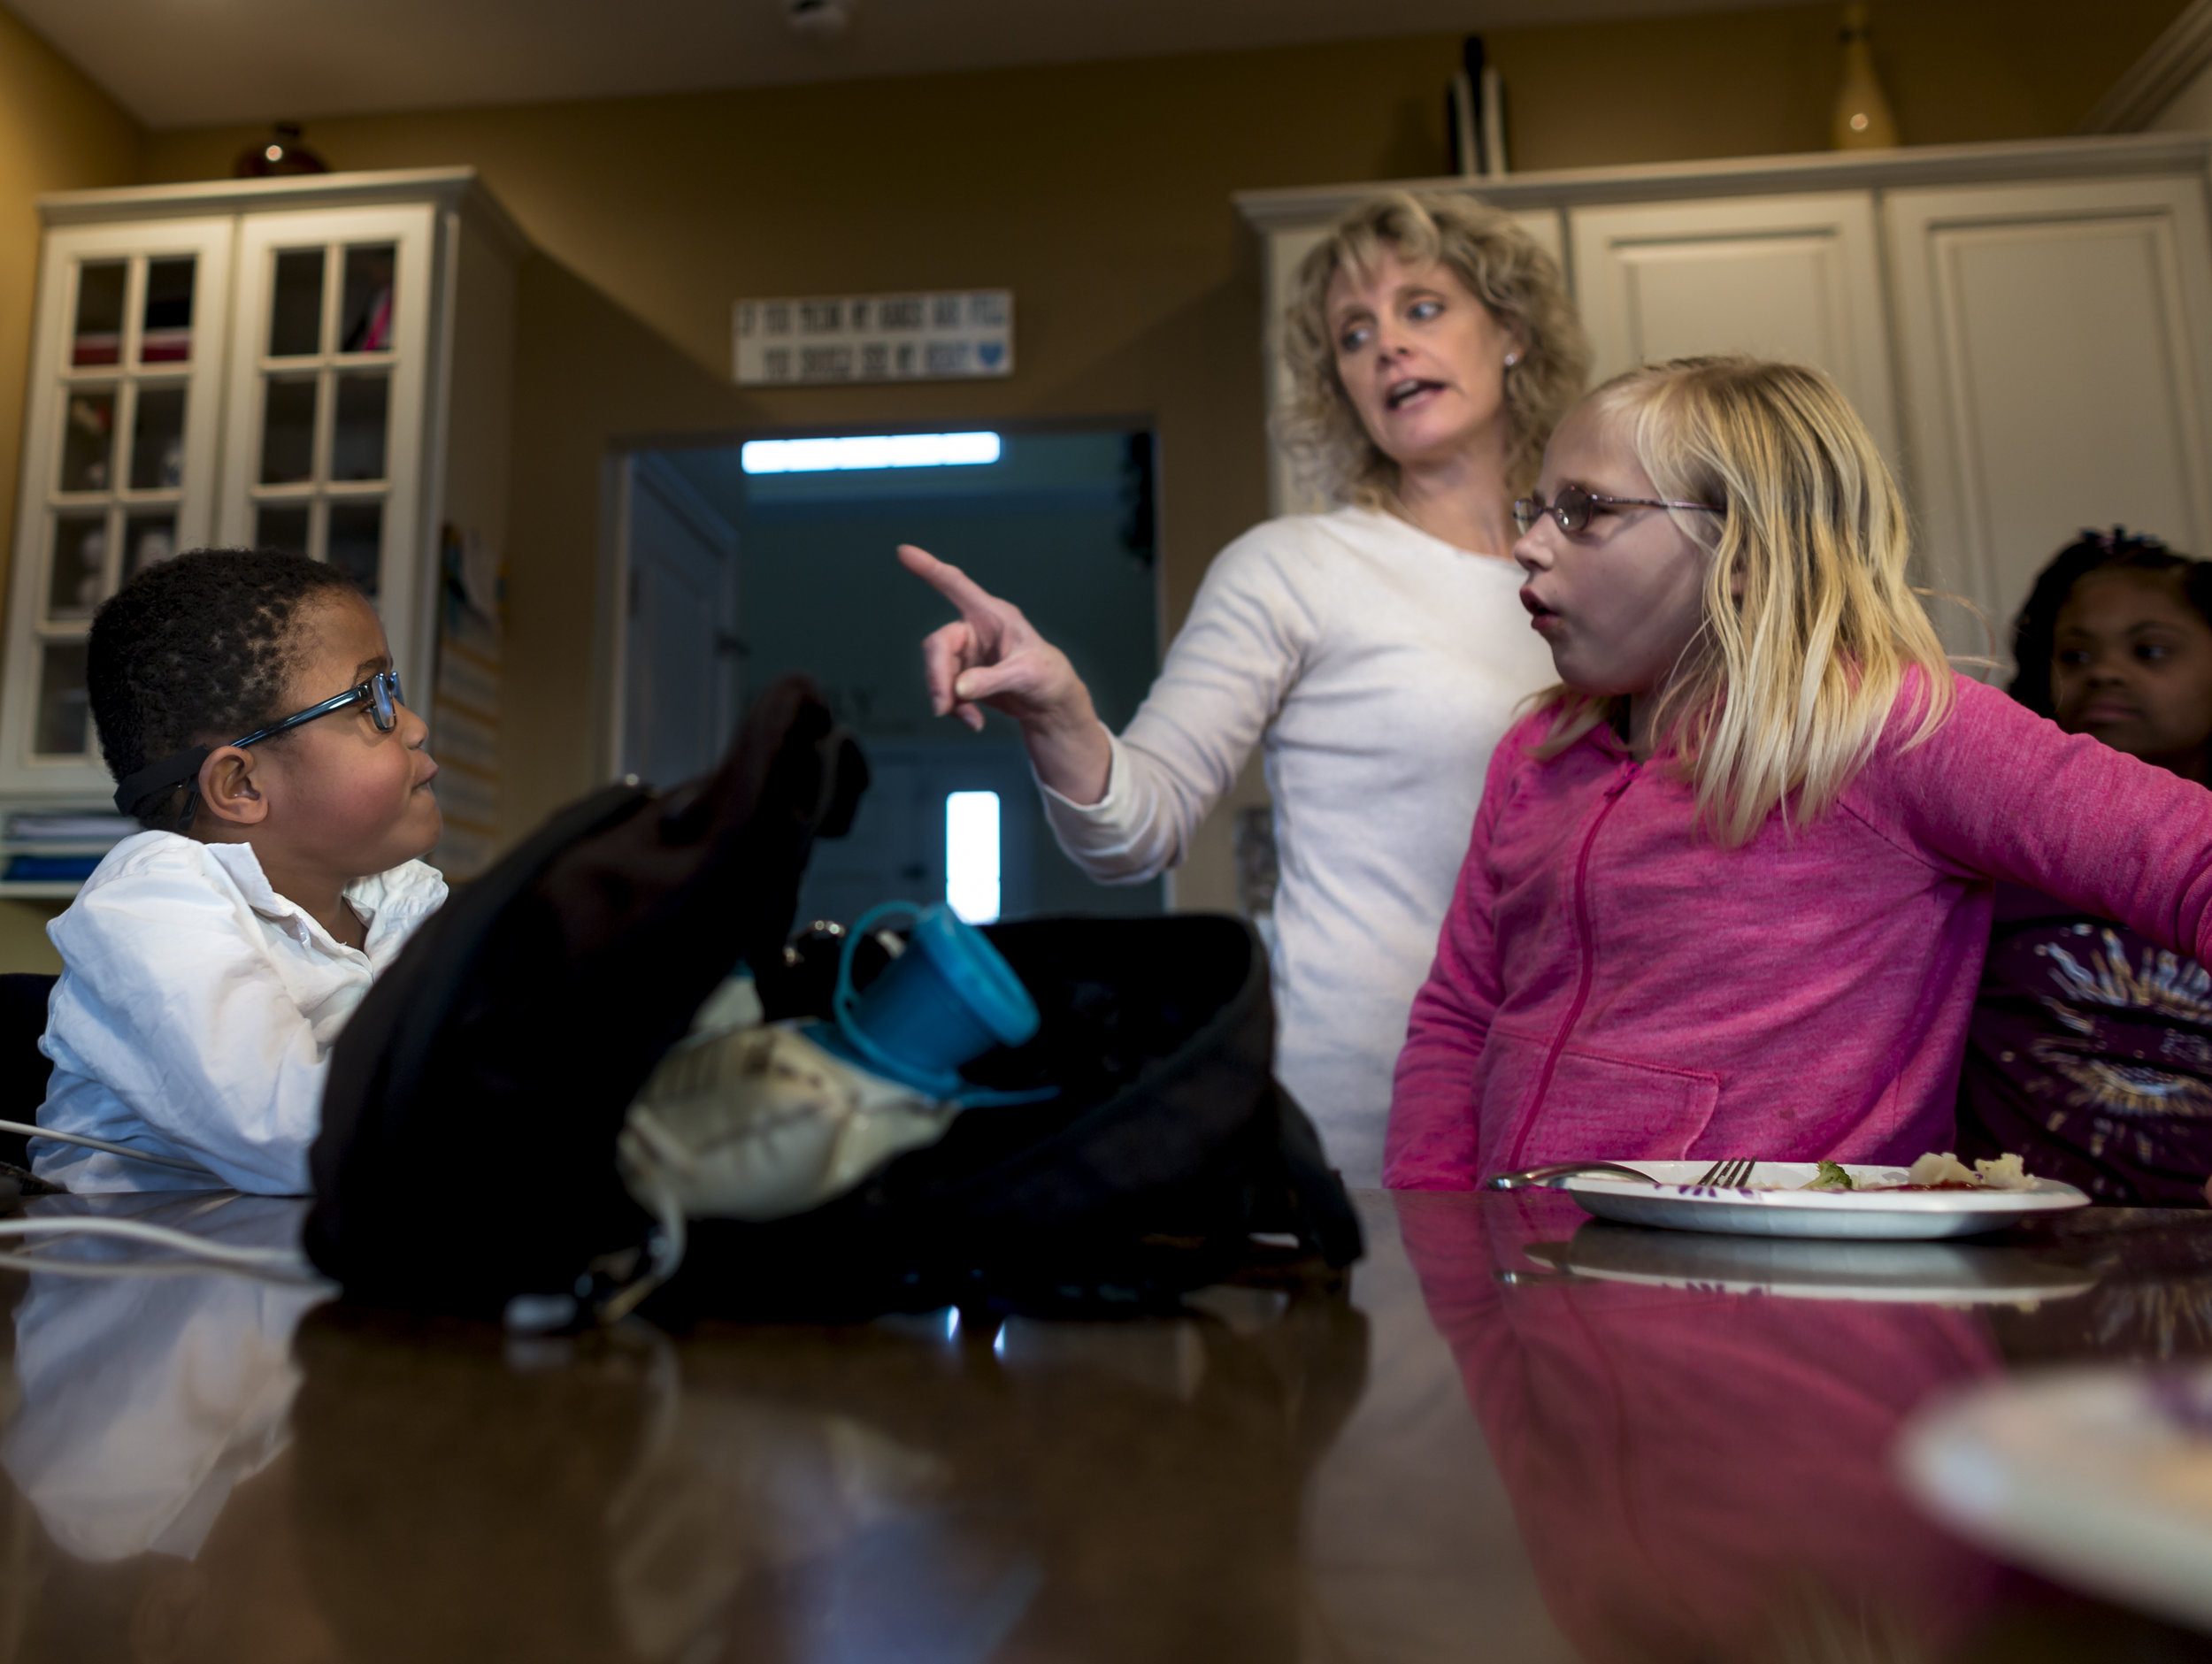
(828,338)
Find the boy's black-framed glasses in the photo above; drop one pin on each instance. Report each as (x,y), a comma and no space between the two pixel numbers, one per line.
(139,792)
(1573,508)
(381,693)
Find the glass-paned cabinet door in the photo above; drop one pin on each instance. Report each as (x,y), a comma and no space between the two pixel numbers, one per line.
(324,441)
(120,464)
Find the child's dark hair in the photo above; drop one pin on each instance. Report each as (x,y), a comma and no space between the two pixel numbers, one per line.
(2034,634)
(196,651)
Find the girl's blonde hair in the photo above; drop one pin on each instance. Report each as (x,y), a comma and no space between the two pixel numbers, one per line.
(1499,264)
(1811,628)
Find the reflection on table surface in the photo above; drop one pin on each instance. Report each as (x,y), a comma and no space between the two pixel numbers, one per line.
(1519,1436)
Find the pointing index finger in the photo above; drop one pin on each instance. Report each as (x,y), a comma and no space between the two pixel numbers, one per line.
(948,580)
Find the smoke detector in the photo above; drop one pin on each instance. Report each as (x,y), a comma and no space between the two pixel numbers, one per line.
(821,19)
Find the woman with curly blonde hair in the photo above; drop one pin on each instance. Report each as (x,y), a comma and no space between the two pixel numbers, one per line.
(1377,652)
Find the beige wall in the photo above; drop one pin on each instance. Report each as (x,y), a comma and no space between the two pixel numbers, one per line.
(57,131)
(1099,194)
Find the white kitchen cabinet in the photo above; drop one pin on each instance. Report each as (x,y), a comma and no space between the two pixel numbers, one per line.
(2056,341)
(269,361)
(2026,328)
(1798,278)
(120,458)
(328,366)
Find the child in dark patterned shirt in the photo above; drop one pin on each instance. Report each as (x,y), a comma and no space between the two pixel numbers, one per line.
(2090,1052)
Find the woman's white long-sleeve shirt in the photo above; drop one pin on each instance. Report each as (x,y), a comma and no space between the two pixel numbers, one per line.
(1382,666)
(195,1012)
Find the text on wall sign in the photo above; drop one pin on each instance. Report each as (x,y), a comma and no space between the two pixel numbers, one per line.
(810,342)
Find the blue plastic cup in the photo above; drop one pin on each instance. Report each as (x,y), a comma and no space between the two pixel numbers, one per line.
(949,998)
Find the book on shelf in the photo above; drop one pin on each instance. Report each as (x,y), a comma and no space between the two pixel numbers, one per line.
(69,827)
(47,868)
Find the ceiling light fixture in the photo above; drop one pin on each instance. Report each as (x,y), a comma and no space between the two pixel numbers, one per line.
(874,450)
(280,153)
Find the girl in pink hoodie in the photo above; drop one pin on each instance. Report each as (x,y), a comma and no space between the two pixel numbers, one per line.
(1729,888)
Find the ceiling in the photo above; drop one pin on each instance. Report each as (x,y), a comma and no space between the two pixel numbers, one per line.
(191,62)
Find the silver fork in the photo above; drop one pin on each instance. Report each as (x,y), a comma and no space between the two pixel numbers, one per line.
(1732,1173)
(1547,1176)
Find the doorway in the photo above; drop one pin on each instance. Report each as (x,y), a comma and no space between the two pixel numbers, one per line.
(680,693)
(736,575)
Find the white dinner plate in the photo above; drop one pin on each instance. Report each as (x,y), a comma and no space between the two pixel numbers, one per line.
(2084,1474)
(1939,1273)
(1678,1202)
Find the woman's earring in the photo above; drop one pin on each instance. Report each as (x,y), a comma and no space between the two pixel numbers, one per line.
(1512,358)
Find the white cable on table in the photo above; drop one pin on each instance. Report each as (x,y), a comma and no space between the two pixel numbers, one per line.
(53,1266)
(112,1149)
(159,1235)
(137,1229)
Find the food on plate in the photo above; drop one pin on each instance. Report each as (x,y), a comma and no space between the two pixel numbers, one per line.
(1936,1170)
(2005,1172)
(1946,1171)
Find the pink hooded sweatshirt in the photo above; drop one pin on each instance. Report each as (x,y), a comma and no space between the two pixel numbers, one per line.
(1611,983)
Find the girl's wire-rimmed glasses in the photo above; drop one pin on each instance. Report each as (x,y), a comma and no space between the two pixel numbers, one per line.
(1573,508)
(381,693)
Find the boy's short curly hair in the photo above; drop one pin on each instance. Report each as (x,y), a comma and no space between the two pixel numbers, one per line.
(197,651)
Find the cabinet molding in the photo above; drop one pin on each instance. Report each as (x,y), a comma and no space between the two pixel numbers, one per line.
(459,190)
(2154,79)
(2104,157)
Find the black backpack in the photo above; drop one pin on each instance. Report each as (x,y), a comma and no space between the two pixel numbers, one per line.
(466,1155)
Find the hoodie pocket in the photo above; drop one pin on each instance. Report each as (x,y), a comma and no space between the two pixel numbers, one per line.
(1603,1109)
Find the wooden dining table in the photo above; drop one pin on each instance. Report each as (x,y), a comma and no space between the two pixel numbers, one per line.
(1511,1434)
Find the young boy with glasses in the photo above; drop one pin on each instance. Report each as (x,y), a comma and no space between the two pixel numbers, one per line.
(210,960)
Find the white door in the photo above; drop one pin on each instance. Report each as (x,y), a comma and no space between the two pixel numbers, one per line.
(680,641)
(1288,490)
(1794,278)
(2056,354)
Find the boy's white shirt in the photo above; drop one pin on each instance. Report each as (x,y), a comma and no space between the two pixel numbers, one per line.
(195,1012)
